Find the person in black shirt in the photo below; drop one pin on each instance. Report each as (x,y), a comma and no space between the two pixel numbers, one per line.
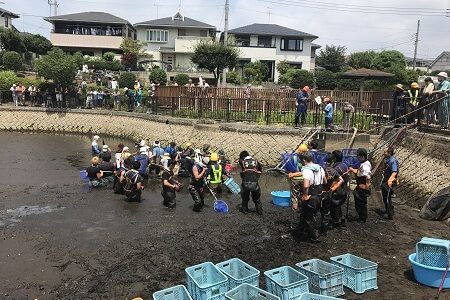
(198,184)
(332,201)
(133,186)
(95,174)
(108,169)
(251,171)
(169,185)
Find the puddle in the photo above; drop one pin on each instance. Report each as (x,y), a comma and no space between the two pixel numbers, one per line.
(12,216)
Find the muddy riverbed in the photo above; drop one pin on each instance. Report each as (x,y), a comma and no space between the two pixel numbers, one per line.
(58,240)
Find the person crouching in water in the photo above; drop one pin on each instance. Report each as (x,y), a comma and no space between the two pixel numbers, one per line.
(94,146)
(133,186)
(251,171)
(169,185)
(313,181)
(215,174)
(95,174)
(362,190)
(198,183)
(107,166)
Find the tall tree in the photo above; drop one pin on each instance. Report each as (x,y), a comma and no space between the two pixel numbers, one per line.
(358,60)
(332,58)
(36,43)
(132,51)
(11,41)
(389,59)
(57,66)
(215,57)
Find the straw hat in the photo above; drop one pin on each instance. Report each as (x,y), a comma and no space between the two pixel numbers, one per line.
(400,86)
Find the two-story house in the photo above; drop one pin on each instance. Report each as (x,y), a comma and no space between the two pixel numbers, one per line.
(171,40)
(92,33)
(271,43)
(6,17)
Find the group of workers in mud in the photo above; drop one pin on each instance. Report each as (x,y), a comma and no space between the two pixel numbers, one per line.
(319,187)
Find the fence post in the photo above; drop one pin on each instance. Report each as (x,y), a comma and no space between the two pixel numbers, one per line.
(173,106)
(228,109)
(200,107)
(156,105)
(268,111)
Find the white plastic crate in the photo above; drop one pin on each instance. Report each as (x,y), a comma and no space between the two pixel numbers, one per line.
(286,283)
(249,292)
(239,272)
(206,282)
(324,277)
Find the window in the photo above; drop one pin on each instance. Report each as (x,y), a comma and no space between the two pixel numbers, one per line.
(290,44)
(6,22)
(242,40)
(203,33)
(157,35)
(181,32)
(265,41)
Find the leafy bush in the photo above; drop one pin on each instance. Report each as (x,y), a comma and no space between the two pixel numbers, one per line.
(7,79)
(57,66)
(181,79)
(297,78)
(101,64)
(283,66)
(234,77)
(127,79)
(129,61)
(325,80)
(12,60)
(255,72)
(109,56)
(158,75)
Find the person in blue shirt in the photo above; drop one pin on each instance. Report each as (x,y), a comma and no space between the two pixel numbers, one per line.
(172,150)
(94,146)
(328,112)
(301,104)
(143,159)
(389,180)
(443,105)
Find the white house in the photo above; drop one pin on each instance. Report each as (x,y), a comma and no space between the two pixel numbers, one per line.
(171,40)
(442,62)
(6,17)
(271,43)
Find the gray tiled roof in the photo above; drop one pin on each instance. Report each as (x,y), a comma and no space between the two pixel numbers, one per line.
(313,45)
(270,29)
(169,22)
(5,12)
(90,17)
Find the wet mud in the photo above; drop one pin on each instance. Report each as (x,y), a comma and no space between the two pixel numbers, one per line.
(60,240)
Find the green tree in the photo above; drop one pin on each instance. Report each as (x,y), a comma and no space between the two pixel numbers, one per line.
(332,58)
(7,79)
(181,79)
(283,66)
(109,56)
(133,50)
(215,56)
(12,60)
(234,77)
(129,61)
(127,80)
(36,43)
(358,60)
(325,80)
(297,78)
(11,41)
(255,72)
(57,66)
(158,75)
(389,59)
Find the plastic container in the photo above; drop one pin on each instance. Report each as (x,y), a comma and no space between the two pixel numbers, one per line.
(429,276)
(433,252)
(360,275)
(220,207)
(349,157)
(286,283)
(324,278)
(281,198)
(84,176)
(178,292)
(232,185)
(249,292)
(239,272)
(206,282)
(310,296)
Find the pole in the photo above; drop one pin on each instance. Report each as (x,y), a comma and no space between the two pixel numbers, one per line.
(416,44)
(225,39)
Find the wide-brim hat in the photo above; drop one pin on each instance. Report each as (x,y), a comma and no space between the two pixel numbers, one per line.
(400,86)
(443,74)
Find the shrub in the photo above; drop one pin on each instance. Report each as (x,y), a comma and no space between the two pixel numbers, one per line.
(109,56)
(297,78)
(326,80)
(181,79)
(158,75)
(234,77)
(12,60)
(7,79)
(127,79)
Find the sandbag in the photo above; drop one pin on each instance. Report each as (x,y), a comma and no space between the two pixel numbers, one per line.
(437,207)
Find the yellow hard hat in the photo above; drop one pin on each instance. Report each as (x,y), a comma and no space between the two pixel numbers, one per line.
(214,157)
(188,145)
(302,148)
(414,85)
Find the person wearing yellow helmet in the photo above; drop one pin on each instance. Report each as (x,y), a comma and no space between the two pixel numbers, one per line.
(413,102)
(215,173)
(295,177)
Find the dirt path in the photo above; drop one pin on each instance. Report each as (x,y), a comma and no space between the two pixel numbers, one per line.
(60,241)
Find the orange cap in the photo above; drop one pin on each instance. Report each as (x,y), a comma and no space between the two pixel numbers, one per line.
(306,88)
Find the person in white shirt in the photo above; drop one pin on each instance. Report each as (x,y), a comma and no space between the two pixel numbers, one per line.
(114,84)
(362,190)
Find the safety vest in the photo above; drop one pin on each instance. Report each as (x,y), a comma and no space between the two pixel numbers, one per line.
(216,177)
(413,99)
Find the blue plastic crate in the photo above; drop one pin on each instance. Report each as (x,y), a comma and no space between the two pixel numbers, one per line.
(349,157)
(178,292)
(206,282)
(433,252)
(360,275)
(249,292)
(239,272)
(310,296)
(286,283)
(232,185)
(324,278)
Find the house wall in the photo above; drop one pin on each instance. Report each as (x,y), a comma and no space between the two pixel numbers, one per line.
(2,21)
(442,64)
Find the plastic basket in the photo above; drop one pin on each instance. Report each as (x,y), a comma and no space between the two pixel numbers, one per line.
(232,185)
(286,283)
(178,292)
(324,278)
(360,275)
(433,252)
(281,198)
(309,296)
(249,292)
(239,272)
(206,282)
(84,176)
(429,276)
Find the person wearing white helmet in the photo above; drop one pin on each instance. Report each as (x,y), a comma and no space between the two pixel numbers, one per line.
(442,91)
(198,183)
(94,146)
(157,154)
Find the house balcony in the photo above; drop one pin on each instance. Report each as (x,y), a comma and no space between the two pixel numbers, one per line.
(186,44)
(85,41)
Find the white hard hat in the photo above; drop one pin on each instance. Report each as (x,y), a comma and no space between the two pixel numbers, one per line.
(96,137)
(143,150)
(105,148)
(142,143)
(443,74)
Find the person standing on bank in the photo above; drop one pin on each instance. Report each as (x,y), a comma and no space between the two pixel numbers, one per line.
(398,105)
(169,185)
(429,109)
(328,109)
(198,184)
(251,171)
(389,180)
(301,104)
(362,190)
(443,105)
(413,103)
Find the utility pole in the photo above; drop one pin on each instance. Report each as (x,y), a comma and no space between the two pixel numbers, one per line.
(225,40)
(55,5)
(269,12)
(416,44)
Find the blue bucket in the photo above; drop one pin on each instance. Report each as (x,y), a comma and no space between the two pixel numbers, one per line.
(84,176)
(281,198)
(429,276)
(221,207)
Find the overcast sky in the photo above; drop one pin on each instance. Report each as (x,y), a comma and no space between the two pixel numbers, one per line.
(357,31)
